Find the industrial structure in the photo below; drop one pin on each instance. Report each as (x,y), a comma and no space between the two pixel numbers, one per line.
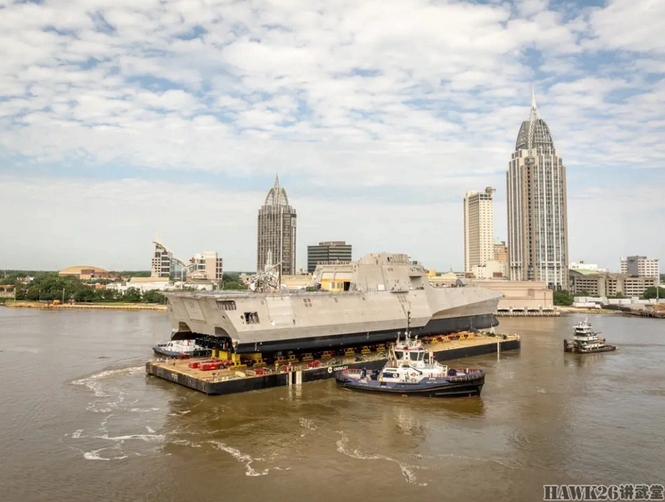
(329,251)
(276,239)
(537,213)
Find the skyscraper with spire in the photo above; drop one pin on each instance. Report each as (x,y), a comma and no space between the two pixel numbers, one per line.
(277,233)
(537,214)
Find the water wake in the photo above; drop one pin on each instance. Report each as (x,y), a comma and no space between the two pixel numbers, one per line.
(406,470)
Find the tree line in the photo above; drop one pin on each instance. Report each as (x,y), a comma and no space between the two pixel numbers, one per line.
(49,286)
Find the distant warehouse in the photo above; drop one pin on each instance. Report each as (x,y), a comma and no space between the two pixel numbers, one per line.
(327,252)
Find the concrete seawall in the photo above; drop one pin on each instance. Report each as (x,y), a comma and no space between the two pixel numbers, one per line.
(90,306)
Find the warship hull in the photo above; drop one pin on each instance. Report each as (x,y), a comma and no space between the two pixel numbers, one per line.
(326,342)
(372,307)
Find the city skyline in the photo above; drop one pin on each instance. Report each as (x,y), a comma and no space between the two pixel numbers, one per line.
(131,120)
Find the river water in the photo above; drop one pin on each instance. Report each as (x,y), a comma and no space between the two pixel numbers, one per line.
(81,421)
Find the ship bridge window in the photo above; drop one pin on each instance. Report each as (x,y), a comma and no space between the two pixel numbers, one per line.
(251,317)
(226,305)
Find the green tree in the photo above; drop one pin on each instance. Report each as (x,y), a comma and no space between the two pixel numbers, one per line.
(154,296)
(233,285)
(132,295)
(563,298)
(651,292)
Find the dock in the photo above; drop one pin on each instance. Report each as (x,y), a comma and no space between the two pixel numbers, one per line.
(241,378)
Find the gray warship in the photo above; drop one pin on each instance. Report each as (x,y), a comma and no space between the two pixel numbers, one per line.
(347,304)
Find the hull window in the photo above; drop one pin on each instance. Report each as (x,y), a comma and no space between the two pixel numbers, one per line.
(251,317)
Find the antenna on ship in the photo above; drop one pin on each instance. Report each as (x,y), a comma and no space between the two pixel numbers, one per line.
(408,324)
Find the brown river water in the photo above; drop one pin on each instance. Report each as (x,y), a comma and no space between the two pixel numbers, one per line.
(81,421)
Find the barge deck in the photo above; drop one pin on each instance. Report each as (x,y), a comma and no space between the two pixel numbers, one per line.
(241,378)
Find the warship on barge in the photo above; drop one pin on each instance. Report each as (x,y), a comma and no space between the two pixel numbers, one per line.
(360,303)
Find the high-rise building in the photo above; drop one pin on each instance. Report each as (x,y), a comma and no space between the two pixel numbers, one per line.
(207,265)
(537,214)
(327,252)
(640,266)
(277,233)
(164,264)
(478,228)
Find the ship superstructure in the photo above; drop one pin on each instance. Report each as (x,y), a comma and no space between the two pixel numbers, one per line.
(358,303)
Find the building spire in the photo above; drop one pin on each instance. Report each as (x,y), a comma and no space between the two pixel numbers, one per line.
(533,118)
(276,180)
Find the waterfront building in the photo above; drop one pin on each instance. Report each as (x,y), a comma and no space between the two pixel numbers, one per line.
(206,266)
(325,252)
(537,214)
(87,273)
(276,239)
(640,266)
(603,284)
(478,228)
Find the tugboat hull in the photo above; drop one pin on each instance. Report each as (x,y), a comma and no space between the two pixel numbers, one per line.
(459,386)
(569,346)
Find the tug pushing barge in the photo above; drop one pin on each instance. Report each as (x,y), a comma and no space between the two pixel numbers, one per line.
(349,311)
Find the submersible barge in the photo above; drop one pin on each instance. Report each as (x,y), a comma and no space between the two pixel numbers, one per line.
(345,317)
(293,371)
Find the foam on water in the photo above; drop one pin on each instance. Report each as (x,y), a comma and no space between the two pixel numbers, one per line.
(406,470)
(241,457)
(94,382)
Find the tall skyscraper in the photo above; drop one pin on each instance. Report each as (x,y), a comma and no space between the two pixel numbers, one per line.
(537,215)
(478,228)
(277,233)
(327,252)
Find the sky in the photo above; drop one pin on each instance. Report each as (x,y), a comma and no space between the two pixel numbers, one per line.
(123,120)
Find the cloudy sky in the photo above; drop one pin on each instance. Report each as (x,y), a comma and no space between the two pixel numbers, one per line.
(121,120)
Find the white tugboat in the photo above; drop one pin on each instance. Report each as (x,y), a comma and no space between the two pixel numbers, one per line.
(411,369)
(180,348)
(586,341)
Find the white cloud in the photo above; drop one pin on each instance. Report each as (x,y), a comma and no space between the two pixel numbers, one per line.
(381,93)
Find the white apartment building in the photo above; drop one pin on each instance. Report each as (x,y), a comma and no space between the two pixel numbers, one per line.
(478,228)
(640,266)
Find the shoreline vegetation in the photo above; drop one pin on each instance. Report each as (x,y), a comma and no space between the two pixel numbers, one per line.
(88,305)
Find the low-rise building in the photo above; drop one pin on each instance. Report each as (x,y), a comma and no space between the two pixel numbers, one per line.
(87,272)
(492,269)
(143,284)
(607,284)
(206,266)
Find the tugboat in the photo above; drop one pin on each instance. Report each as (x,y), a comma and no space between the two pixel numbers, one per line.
(586,341)
(180,349)
(411,370)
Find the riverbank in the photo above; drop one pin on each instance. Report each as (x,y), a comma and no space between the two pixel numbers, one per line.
(583,310)
(96,306)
